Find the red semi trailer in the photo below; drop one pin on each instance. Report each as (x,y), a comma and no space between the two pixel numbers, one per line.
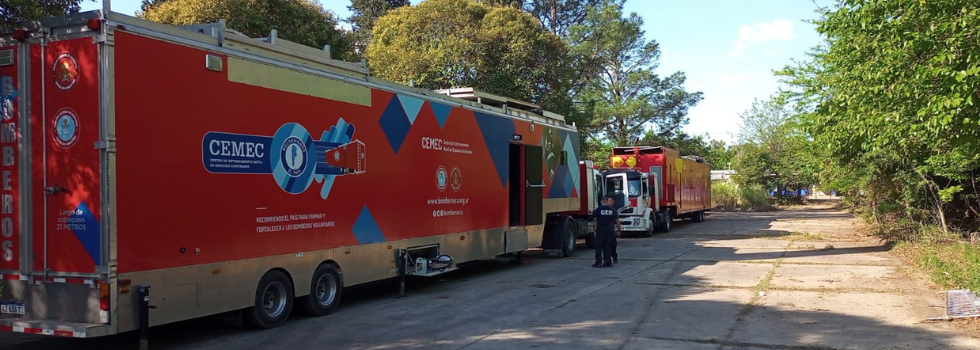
(230,173)
(680,186)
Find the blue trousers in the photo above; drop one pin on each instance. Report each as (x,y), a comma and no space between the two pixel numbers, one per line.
(604,241)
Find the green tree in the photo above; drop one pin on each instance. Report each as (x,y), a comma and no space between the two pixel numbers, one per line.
(681,141)
(147,4)
(300,21)
(510,3)
(629,96)
(13,13)
(364,13)
(559,16)
(892,98)
(719,155)
(772,151)
(454,43)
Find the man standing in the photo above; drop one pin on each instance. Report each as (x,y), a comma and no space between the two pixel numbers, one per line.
(607,227)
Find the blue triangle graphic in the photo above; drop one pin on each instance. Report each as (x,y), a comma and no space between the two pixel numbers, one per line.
(497,132)
(365,229)
(412,107)
(441,111)
(89,232)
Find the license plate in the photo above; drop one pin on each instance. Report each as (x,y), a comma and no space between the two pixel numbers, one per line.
(12,308)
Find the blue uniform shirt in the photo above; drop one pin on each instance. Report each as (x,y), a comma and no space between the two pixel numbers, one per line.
(605,217)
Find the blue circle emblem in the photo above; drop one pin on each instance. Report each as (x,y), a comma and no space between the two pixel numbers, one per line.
(66,128)
(441,178)
(293,156)
(291,166)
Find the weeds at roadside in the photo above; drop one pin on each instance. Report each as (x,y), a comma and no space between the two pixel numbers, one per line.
(949,265)
(729,196)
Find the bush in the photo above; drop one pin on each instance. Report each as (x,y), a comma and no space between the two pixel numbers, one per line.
(724,196)
(729,196)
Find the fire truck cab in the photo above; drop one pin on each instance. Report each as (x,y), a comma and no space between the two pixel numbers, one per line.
(636,197)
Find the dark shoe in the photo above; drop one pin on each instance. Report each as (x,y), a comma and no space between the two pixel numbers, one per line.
(615,260)
(596,265)
(607,265)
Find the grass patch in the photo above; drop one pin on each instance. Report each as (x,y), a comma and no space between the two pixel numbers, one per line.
(763,286)
(951,265)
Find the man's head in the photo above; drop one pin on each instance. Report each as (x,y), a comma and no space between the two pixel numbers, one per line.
(608,200)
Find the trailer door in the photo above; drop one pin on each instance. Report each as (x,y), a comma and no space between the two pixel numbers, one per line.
(67,234)
(534,185)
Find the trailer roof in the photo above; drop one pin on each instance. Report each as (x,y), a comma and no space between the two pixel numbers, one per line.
(219,38)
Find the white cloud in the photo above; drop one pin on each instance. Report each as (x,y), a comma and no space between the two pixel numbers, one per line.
(762,32)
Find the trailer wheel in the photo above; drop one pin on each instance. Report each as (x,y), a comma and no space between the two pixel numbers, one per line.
(698,216)
(273,301)
(590,240)
(567,236)
(324,292)
(665,226)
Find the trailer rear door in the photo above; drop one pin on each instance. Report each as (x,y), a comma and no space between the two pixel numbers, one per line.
(52,181)
(67,235)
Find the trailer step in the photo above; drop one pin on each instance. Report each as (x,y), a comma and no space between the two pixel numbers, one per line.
(53,327)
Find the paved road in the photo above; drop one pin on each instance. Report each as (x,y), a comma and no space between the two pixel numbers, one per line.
(799,279)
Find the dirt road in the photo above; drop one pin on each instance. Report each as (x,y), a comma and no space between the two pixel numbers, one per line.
(795,279)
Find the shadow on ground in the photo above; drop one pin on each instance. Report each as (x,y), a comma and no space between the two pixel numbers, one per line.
(669,292)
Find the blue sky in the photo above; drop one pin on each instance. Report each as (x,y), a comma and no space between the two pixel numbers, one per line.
(727,48)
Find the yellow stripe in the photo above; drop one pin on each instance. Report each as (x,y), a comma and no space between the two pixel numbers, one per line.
(263,75)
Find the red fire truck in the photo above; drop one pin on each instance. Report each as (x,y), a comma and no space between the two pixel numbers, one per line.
(655,185)
(154,173)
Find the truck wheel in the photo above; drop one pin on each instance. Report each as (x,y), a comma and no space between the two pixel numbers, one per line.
(324,292)
(698,217)
(273,301)
(649,232)
(567,236)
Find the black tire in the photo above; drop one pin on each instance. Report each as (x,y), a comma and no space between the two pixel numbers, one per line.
(698,217)
(273,301)
(667,221)
(325,291)
(566,234)
(590,240)
(649,233)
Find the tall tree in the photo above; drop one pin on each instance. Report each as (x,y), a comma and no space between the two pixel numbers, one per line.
(511,3)
(894,97)
(14,12)
(364,13)
(772,151)
(719,155)
(147,4)
(681,141)
(629,96)
(300,21)
(453,43)
(558,16)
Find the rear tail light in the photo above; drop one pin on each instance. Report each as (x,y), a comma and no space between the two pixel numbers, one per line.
(94,24)
(104,297)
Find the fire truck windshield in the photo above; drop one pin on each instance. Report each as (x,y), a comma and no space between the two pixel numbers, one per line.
(614,186)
